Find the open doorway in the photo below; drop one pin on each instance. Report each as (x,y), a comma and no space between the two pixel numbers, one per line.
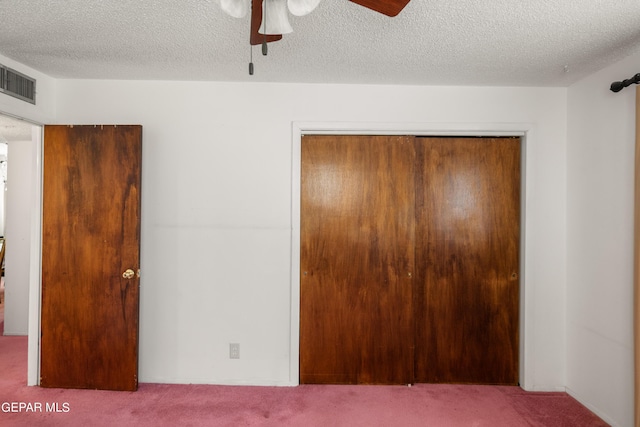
(21,231)
(17,191)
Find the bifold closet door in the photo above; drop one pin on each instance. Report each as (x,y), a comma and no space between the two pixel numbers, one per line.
(357,259)
(467,260)
(409,259)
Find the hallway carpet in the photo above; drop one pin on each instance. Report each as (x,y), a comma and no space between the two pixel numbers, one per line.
(307,405)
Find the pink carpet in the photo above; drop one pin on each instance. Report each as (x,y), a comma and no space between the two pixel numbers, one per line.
(307,405)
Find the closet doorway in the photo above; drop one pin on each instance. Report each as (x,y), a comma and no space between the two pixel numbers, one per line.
(409,259)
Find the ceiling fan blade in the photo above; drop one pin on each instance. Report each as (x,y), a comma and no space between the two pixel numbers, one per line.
(256,19)
(387,7)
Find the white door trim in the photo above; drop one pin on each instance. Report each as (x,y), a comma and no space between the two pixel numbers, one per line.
(35,263)
(524,130)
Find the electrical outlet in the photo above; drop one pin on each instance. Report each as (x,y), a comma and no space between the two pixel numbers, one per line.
(234,351)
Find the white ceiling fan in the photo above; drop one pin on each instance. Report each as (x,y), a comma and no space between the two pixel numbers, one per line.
(270,17)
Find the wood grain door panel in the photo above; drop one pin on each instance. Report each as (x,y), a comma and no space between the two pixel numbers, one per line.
(91,235)
(467,253)
(409,259)
(356,259)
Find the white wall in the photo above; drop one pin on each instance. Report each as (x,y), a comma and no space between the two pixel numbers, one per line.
(19,197)
(217,222)
(600,174)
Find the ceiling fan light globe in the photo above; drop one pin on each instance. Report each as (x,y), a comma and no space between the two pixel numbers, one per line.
(235,8)
(275,18)
(302,7)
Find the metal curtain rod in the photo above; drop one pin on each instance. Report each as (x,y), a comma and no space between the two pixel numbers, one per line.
(618,86)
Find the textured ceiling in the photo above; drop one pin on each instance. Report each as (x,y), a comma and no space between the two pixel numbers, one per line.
(431,42)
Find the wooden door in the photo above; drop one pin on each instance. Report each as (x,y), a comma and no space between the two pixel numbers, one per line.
(91,235)
(467,252)
(376,211)
(356,258)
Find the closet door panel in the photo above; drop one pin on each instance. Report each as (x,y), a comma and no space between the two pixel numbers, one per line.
(357,230)
(467,255)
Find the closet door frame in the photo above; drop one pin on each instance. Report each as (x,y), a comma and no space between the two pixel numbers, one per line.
(523,130)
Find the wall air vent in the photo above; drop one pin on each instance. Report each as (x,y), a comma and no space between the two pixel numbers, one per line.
(17,84)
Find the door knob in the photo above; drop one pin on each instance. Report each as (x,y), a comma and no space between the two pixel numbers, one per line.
(128,274)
